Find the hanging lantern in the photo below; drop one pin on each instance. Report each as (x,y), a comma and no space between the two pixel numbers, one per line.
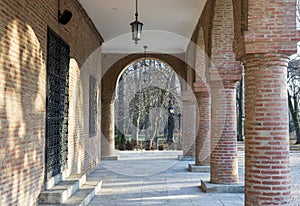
(136,27)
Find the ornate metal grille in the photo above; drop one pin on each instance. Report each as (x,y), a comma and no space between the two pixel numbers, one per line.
(58,57)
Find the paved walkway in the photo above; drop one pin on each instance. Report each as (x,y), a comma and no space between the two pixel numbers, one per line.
(158,178)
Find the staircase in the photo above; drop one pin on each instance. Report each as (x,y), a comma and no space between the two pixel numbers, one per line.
(75,190)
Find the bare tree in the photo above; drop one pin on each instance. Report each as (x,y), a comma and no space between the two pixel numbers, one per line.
(148,87)
(294,92)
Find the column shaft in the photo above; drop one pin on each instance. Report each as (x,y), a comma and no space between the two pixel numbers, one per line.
(224,158)
(267,169)
(189,128)
(107,128)
(202,150)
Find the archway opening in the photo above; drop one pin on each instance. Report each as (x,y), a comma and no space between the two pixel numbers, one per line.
(148,107)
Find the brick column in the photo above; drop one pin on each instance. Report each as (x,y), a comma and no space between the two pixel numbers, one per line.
(107,128)
(188,126)
(224,158)
(267,172)
(202,150)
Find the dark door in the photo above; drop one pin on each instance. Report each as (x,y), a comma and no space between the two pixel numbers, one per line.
(57,104)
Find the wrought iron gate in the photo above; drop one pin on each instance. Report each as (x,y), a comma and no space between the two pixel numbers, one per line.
(57,104)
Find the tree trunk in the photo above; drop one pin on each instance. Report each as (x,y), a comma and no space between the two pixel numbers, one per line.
(240,113)
(156,121)
(294,118)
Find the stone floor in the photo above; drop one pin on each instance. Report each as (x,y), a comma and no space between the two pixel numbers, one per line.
(158,178)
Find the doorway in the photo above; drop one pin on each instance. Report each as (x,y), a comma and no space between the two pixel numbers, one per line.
(57,105)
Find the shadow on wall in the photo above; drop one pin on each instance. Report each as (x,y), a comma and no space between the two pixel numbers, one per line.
(84,149)
(22,114)
(78,139)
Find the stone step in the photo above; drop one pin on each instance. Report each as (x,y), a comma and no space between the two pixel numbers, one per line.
(63,190)
(85,194)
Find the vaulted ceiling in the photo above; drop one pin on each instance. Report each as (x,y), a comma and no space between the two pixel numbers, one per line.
(168,24)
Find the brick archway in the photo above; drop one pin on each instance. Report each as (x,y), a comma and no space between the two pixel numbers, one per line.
(108,86)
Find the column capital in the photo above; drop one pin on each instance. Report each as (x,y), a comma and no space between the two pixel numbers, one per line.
(225,76)
(266,60)
(202,87)
(224,84)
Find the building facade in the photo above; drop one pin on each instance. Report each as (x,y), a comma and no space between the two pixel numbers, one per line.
(57,95)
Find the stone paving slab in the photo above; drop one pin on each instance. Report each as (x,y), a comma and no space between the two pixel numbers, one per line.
(150,178)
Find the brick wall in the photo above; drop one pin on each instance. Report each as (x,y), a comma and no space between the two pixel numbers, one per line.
(23,43)
(265,26)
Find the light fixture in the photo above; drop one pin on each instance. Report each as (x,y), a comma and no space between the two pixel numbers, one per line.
(136,26)
(64,17)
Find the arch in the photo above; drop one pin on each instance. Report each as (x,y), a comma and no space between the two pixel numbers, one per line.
(109,79)
(240,14)
(201,58)
(222,54)
(141,59)
(108,87)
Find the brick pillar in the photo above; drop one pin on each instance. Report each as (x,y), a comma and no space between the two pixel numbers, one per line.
(267,172)
(224,158)
(202,150)
(107,128)
(188,126)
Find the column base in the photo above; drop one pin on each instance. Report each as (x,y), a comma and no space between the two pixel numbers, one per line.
(186,158)
(221,188)
(195,168)
(110,157)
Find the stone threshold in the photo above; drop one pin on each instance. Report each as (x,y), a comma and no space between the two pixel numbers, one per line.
(221,188)
(195,168)
(110,157)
